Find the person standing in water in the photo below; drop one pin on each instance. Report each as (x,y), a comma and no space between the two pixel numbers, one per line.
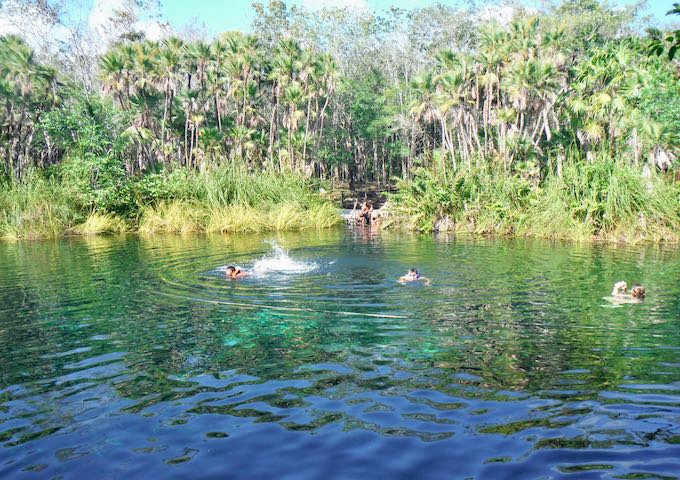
(414,276)
(235,272)
(366,213)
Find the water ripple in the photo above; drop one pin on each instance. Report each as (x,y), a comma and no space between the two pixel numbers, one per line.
(136,357)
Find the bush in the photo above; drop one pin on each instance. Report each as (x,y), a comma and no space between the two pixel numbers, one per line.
(99,184)
(86,125)
(482,200)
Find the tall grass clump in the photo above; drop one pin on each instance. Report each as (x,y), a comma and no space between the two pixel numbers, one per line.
(78,199)
(235,185)
(597,200)
(480,200)
(35,207)
(236,218)
(232,199)
(173,217)
(100,223)
(605,200)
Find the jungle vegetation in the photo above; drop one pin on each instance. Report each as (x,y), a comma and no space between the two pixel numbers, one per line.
(562,122)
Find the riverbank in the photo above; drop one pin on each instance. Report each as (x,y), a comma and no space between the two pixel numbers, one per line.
(598,201)
(86,201)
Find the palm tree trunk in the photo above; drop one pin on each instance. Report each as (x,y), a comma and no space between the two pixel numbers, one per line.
(218,116)
(186,140)
(321,117)
(271,131)
(304,144)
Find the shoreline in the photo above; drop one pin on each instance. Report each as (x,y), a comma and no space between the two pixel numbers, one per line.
(458,233)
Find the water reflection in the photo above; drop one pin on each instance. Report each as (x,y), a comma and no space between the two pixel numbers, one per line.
(126,356)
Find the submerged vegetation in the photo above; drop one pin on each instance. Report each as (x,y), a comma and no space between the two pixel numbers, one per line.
(561,123)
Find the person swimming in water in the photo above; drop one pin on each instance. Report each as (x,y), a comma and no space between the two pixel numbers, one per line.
(414,276)
(235,272)
(620,291)
(638,291)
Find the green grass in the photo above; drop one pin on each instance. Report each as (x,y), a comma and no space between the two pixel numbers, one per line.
(230,199)
(600,200)
(100,223)
(35,208)
(188,217)
(172,217)
(226,199)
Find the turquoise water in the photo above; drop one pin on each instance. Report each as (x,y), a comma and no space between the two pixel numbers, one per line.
(134,357)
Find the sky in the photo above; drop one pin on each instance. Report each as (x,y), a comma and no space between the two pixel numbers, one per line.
(211,17)
(224,15)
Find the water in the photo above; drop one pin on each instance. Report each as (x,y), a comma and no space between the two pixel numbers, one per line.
(136,357)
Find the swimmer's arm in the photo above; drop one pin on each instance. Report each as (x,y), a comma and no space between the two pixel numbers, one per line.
(425,280)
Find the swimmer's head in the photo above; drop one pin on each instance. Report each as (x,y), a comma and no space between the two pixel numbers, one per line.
(231,270)
(413,273)
(638,291)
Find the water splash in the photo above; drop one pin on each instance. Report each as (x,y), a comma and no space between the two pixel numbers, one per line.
(278,261)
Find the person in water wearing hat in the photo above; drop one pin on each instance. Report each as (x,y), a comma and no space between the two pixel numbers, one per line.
(235,272)
(414,276)
(637,293)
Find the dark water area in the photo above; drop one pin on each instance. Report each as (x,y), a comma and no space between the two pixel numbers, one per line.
(135,357)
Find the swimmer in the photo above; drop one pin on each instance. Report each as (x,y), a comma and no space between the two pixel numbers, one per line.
(638,291)
(620,292)
(414,276)
(235,272)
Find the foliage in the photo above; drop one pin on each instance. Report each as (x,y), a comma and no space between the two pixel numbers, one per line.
(98,183)
(36,207)
(601,199)
(86,124)
(91,195)
(189,217)
(488,120)
(27,91)
(661,42)
(483,200)
(98,223)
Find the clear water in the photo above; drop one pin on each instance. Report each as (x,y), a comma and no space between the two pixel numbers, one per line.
(135,357)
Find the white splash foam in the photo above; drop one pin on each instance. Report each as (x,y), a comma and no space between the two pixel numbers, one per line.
(279,262)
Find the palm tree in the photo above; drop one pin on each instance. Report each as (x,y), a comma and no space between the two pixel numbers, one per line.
(28,90)
(281,75)
(112,66)
(294,97)
(169,66)
(329,73)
